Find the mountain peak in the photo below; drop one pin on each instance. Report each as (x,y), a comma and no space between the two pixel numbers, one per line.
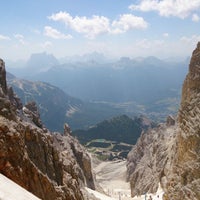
(3,83)
(194,69)
(192,81)
(41,61)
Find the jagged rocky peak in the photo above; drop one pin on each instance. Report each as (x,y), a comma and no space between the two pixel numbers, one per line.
(170,153)
(3,83)
(52,166)
(170,121)
(31,111)
(6,108)
(191,83)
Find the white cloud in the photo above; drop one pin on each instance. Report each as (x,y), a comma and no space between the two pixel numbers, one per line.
(3,37)
(96,25)
(128,22)
(55,34)
(190,40)
(177,8)
(195,18)
(61,16)
(165,34)
(90,27)
(20,38)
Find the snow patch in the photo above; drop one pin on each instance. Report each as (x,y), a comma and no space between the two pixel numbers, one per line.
(99,195)
(157,196)
(71,111)
(11,191)
(111,176)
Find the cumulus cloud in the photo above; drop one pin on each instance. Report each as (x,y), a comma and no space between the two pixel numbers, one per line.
(90,27)
(55,34)
(3,37)
(96,25)
(195,18)
(177,8)
(127,22)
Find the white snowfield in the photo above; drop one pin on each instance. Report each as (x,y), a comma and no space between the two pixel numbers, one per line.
(100,196)
(112,178)
(9,190)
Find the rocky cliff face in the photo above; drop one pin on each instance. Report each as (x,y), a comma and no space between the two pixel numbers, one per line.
(184,181)
(150,159)
(51,166)
(170,154)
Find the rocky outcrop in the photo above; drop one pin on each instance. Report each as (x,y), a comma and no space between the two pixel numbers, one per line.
(3,83)
(170,121)
(31,112)
(51,166)
(150,159)
(171,156)
(184,181)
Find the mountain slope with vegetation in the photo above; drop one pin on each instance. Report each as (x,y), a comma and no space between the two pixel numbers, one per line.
(147,86)
(56,107)
(118,129)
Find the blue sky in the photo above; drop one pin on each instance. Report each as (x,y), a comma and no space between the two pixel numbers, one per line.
(162,28)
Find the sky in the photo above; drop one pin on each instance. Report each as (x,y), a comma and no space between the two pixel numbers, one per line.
(116,28)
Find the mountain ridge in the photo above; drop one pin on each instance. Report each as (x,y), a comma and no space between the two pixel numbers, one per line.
(113,87)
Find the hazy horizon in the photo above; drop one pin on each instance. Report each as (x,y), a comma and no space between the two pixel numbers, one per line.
(115,28)
(93,57)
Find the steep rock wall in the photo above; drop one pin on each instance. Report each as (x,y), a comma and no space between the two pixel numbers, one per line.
(172,156)
(51,166)
(149,161)
(184,181)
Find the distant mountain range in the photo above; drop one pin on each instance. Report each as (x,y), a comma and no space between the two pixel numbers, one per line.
(104,89)
(142,80)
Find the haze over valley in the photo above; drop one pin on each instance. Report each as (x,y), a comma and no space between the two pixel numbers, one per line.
(100,100)
(147,86)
